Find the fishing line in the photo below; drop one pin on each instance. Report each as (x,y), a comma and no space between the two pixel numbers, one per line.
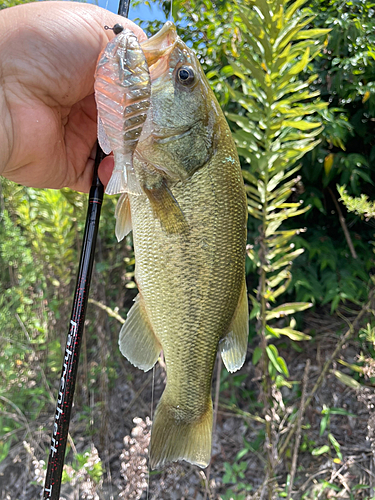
(68,378)
(151,417)
(152,393)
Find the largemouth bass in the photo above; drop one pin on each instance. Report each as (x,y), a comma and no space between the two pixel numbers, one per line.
(189,233)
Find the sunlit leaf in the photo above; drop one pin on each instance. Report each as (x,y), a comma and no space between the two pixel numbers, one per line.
(320,451)
(328,162)
(292,334)
(347,380)
(301,124)
(283,366)
(335,444)
(356,368)
(287,309)
(273,357)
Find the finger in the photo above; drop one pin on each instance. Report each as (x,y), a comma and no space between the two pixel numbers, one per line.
(63,40)
(84,182)
(105,169)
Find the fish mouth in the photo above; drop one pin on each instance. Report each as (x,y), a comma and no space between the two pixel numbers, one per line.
(157,49)
(160,44)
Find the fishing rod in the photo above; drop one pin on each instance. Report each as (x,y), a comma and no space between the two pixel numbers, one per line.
(68,378)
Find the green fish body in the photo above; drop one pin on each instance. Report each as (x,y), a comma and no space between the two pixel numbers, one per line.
(189,234)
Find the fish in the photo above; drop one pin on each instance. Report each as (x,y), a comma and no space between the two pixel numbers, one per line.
(189,223)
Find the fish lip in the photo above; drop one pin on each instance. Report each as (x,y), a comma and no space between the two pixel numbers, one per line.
(160,44)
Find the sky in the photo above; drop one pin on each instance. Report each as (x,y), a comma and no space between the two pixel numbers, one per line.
(141,11)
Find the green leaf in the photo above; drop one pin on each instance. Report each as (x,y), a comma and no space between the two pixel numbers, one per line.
(285,260)
(255,310)
(276,280)
(290,30)
(257,354)
(341,411)
(287,309)
(347,380)
(249,177)
(301,124)
(336,445)
(277,361)
(361,487)
(356,368)
(323,424)
(312,33)
(241,121)
(292,9)
(292,334)
(273,226)
(319,451)
(280,238)
(255,71)
(283,365)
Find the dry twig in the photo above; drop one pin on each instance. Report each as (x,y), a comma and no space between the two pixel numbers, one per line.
(216,406)
(108,310)
(299,426)
(343,224)
(352,327)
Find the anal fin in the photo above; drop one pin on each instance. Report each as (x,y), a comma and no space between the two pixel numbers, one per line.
(138,342)
(233,346)
(123,217)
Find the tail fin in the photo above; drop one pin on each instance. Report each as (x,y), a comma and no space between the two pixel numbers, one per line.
(173,437)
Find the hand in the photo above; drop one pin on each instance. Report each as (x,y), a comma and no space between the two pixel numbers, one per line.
(48,55)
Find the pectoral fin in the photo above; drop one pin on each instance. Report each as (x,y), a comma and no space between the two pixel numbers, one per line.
(233,347)
(137,341)
(123,217)
(166,208)
(117,182)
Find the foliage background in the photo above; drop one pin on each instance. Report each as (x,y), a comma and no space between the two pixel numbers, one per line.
(40,237)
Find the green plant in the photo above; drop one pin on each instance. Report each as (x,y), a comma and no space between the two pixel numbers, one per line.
(234,475)
(275,126)
(333,444)
(345,79)
(325,275)
(86,464)
(359,205)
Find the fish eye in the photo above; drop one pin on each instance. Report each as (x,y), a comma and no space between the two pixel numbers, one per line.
(185,75)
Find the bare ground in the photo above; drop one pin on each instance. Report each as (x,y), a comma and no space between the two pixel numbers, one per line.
(113,425)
